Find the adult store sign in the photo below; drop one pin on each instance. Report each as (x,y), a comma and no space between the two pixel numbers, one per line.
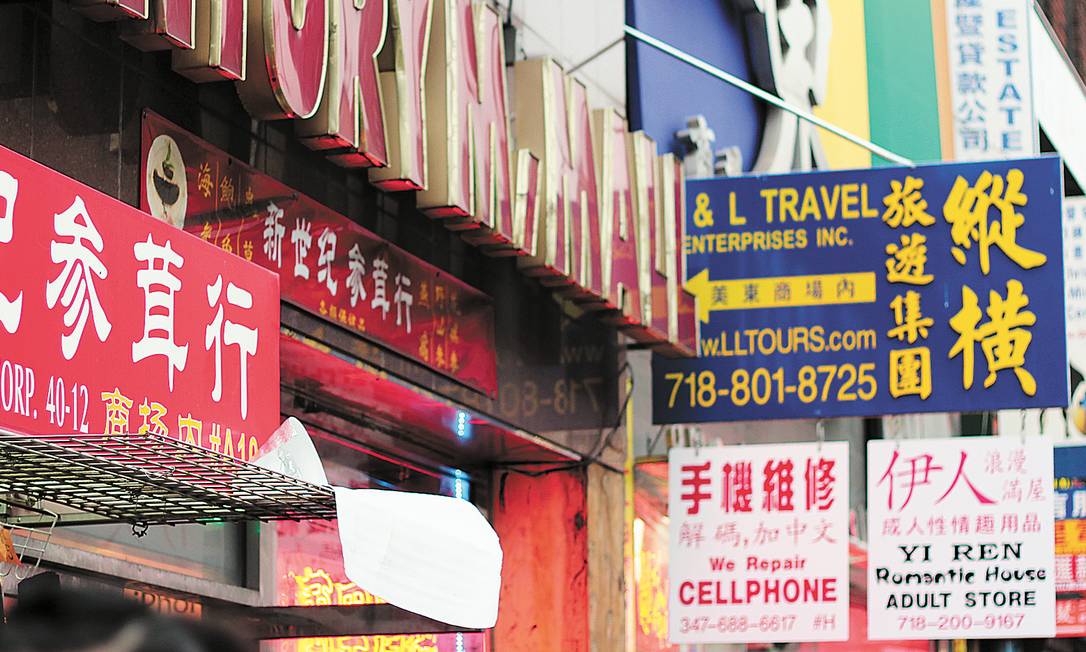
(758,543)
(871,292)
(961,538)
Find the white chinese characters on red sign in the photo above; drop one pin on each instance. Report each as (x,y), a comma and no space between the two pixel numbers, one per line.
(758,543)
(116,323)
(961,538)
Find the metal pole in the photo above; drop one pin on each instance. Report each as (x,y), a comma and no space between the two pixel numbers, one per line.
(595,55)
(766,96)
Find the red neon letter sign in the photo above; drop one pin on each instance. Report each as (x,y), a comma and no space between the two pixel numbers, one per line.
(403,63)
(220,48)
(113,9)
(351,115)
(285,75)
(172,23)
(584,219)
(618,226)
(468,137)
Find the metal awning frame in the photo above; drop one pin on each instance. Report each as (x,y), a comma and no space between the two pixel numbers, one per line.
(147,479)
(143,479)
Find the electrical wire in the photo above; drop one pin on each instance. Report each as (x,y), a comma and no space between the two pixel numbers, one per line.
(593,458)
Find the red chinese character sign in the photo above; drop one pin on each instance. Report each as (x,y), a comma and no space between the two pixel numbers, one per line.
(1069,466)
(758,543)
(327,264)
(117,323)
(961,534)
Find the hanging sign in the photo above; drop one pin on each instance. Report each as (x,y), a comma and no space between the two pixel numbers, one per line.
(327,264)
(113,322)
(991,87)
(758,543)
(961,534)
(871,292)
(1074,264)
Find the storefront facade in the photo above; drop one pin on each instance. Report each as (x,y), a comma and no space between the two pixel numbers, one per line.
(882,72)
(457,292)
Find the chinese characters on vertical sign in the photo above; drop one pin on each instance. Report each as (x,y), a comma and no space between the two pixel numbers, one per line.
(1074,265)
(960,535)
(907,290)
(327,264)
(116,323)
(990,82)
(758,543)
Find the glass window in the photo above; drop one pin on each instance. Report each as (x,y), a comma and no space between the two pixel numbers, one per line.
(309,565)
(214,552)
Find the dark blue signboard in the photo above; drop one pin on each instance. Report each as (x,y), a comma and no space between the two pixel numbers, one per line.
(937,288)
(1069,470)
(663,91)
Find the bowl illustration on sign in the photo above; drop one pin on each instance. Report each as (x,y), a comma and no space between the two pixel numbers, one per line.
(167,183)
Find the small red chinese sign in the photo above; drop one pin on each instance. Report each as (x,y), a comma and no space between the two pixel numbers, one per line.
(1069,464)
(113,322)
(758,543)
(327,264)
(961,538)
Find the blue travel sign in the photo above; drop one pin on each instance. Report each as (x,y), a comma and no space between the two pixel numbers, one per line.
(937,288)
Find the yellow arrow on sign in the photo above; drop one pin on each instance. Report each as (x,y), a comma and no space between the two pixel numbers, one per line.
(780,291)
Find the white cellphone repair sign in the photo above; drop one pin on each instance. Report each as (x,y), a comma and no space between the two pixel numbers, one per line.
(758,543)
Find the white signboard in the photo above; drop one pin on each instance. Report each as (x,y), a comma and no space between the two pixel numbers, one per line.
(1074,266)
(758,543)
(961,539)
(990,82)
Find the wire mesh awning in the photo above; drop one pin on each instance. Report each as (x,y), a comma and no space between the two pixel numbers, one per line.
(146,479)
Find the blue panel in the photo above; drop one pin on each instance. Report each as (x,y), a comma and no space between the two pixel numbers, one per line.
(760,341)
(663,91)
(1069,465)
(1069,462)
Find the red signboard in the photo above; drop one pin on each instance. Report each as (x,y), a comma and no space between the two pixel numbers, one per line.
(327,264)
(1070,617)
(113,322)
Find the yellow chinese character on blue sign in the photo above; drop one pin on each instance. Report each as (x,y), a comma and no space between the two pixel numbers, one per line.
(720,295)
(909,260)
(910,372)
(967,208)
(905,206)
(910,321)
(1004,339)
